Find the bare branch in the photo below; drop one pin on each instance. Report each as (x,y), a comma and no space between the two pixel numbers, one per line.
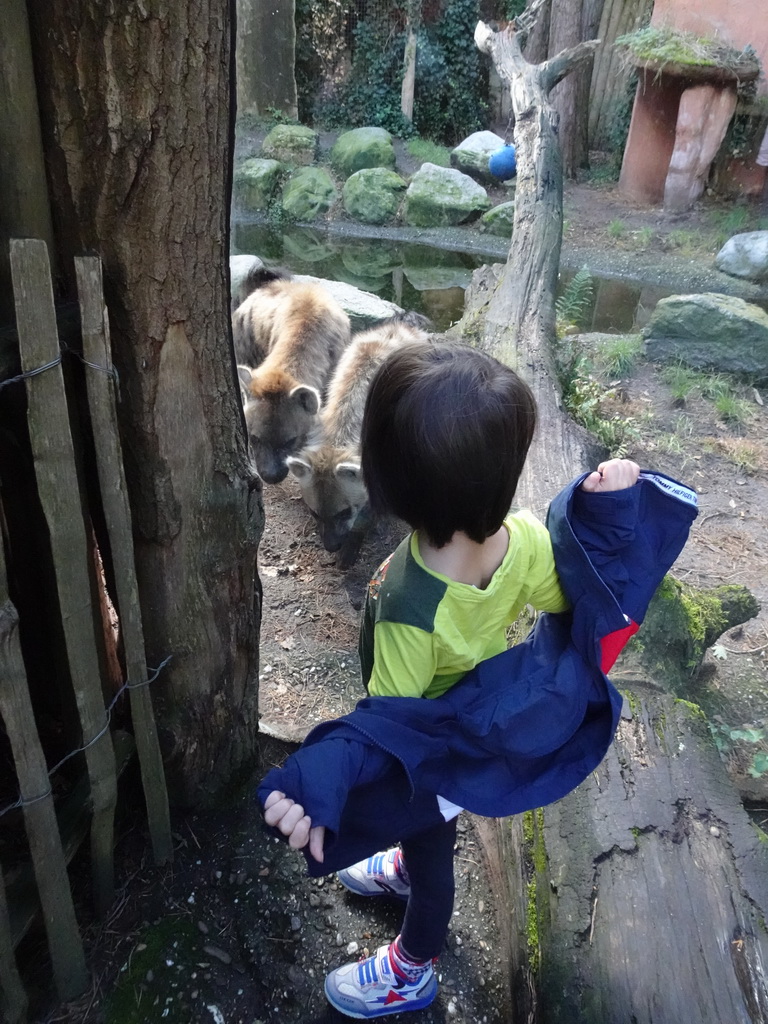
(554,70)
(525,21)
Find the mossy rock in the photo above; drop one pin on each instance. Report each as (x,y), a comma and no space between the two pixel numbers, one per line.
(499,220)
(442,196)
(709,330)
(471,156)
(255,184)
(362,148)
(373,195)
(681,623)
(309,194)
(291,144)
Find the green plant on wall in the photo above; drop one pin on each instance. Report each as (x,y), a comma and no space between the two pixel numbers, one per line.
(450,94)
(451,80)
(371,93)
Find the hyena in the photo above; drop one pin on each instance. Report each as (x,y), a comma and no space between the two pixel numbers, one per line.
(288,337)
(328,470)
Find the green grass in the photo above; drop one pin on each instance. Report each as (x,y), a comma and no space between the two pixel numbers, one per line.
(745,455)
(714,386)
(644,236)
(687,241)
(429,152)
(616,228)
(680,380)
(620,355)
(732,409)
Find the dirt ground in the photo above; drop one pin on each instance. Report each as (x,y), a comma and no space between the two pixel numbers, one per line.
(234,932)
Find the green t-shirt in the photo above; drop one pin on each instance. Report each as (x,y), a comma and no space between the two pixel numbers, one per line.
(421,631)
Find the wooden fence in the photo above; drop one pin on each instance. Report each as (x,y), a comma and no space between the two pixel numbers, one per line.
(53,833)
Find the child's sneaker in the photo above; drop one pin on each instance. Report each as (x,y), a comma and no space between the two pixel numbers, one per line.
(381,875)
(372,987)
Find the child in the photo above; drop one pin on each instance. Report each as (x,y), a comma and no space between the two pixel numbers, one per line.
(445,435)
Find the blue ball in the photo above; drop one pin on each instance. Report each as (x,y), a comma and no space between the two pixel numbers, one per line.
(502,163)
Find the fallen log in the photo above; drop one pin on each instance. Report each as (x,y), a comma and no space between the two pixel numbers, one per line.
(642,896)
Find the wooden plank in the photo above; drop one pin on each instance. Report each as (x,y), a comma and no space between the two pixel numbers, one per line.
(117,512)
(53,453)
(64,941)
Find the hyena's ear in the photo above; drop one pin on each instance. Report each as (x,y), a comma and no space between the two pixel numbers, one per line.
(244,376)
(307,398)
(349,472)
(300,468)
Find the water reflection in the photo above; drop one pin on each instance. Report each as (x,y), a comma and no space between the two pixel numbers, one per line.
(421,277)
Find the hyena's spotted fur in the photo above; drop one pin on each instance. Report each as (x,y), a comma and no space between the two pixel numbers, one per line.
(288,337)
(328,470)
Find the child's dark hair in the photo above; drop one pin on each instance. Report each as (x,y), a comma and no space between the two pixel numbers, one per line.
(445,434)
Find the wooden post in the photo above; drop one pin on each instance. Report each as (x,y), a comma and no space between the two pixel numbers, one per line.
(117,512)
(13,998)
(25,209)
(53,453)
(409,61)
(64,941)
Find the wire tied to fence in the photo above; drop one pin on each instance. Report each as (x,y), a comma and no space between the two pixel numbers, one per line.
(111,370)
(127,685)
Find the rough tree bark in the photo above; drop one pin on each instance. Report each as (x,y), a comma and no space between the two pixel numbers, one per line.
(572,22)
(513,314)
(138,140)
(642,895)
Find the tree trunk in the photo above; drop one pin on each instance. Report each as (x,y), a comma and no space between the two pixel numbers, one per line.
(642,895)
(514,315)
(266,57)
(572,21)
(536,47)
(409,65)
(138,139)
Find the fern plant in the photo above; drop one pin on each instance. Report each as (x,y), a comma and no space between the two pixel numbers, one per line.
(575,300)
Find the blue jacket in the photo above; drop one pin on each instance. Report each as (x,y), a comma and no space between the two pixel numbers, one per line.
(521,729)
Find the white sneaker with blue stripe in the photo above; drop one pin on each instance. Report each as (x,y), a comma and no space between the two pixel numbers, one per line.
(383,874)
(373,988)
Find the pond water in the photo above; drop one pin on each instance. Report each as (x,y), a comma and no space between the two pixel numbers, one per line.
(424,278)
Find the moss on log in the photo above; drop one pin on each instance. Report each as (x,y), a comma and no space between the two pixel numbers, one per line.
(682,622)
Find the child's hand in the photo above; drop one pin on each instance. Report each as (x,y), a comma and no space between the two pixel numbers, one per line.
(289,817)
(614,475)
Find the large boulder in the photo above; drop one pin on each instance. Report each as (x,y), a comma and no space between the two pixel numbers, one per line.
(373,195)
(709,330)
(308,194)
(471,156)
(291,144)
(255,184)
(362,308)
(361,148)
(745,255)
(499,220)
(442,196)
